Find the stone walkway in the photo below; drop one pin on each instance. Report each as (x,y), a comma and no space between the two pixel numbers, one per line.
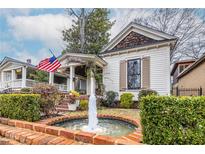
(13,135)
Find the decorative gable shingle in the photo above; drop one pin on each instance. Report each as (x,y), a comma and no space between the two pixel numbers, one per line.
(133,39)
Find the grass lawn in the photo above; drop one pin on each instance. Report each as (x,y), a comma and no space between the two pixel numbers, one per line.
(134,113)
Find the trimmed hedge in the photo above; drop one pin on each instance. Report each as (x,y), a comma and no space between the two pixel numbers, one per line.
(126,100)
(173,120)
(146,92)
(20,106)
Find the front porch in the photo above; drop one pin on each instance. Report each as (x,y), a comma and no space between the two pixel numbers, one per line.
(26,77)
(72,75)
(81,69)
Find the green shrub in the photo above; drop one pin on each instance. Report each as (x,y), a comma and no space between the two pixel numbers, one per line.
(83,104)
(110,99)
(26,90)
(99,101)
(146,92)
(49,97)
(173,120)
(20,106)
(126,100)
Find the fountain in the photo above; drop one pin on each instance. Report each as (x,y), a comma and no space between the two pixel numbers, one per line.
(92,114)
(92,109)
(102,126)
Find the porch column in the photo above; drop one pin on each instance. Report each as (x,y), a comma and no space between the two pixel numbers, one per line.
(68,83)
(72,72)
(12,77)
(51,78)
(2,76)
(23,77)
(92,84)
(88,85)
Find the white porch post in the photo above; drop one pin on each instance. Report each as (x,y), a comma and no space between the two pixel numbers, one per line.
(2,76)
(88,85)
(23,77)
(92,84)
(12,77)
(72,72)
(68,84)
(51,78)
(2,80)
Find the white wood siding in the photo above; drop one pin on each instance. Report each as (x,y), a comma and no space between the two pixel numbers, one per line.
(159,70)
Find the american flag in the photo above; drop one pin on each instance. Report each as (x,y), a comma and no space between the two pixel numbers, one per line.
(49,64)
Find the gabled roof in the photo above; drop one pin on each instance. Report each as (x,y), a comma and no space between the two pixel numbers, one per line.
(148,32)
(8,59)
(193,66)
(87,57)
(181,62)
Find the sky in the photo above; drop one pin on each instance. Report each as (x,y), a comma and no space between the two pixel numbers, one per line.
(30,33)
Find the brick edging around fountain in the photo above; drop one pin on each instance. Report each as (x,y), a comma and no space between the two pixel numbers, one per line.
(86,137)
(132,138)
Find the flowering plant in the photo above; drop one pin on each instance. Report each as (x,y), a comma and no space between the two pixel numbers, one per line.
(73,95)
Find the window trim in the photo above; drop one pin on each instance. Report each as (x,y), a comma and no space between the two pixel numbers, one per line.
(140,67)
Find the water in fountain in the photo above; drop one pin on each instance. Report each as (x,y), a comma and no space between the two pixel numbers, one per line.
(92,114)
(92,111)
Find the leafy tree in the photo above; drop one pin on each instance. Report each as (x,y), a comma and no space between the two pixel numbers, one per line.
(37,75)
(89,32)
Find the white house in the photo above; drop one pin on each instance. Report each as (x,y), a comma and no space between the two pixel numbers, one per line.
(137,58)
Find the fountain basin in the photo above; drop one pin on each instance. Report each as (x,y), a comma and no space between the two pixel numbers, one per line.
(106,126)
(85,136)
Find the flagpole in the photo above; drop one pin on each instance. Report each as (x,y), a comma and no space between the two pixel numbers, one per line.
(51,52)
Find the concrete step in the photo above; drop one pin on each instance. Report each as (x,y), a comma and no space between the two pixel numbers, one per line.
(61,109)
(62,106)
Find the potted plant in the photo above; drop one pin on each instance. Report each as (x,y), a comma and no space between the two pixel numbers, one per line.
(73,100)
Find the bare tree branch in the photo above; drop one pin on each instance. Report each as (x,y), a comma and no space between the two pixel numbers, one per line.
(187,24)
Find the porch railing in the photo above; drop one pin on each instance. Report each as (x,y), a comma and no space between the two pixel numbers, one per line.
(61,87)
(17,84)
(11,84)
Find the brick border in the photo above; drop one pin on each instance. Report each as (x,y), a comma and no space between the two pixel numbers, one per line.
(44,126)
(132,138)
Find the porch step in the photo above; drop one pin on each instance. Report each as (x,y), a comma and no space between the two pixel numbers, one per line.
(61,109)
(62,106)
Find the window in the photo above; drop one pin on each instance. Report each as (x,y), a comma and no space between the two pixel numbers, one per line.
(134,74)
(18,73)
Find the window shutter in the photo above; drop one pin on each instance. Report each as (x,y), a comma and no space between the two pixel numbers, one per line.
(146,72)
(123,74)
